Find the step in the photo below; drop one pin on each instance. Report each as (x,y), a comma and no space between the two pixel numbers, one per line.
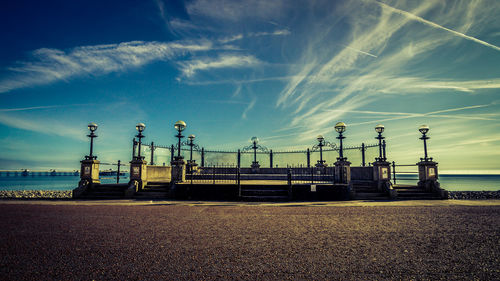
(403,190)
(265,198)
(410,194)
(142,194)
(106,193)
(403,186)
(100,197)
(432,197)
(264,192)
(264,187)
(371,195)
(155,189)
(366,189)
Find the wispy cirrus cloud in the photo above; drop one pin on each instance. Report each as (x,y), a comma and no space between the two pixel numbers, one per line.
(29,108)
(248,108)
(189,68)
(279,32)
(232,10)
(435,25)
(49,65)
(385,52)
(40,126)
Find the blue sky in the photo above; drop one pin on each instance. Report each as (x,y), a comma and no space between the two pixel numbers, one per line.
(284,71)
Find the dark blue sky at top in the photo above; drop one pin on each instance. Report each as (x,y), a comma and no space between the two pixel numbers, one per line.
(27,25)
(284,71)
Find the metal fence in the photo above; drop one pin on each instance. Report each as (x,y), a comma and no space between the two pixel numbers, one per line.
(312,175)
(117,173)
(216,174)
(163,154)
(405,175)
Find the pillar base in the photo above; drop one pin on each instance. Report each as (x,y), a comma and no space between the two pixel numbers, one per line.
(89,176)
(382,174)
(138,174)
(178,170)
(428,178)
(343,172)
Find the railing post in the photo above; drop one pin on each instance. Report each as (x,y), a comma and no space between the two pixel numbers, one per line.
(289,176)
(308,158)
(152,153)
(239,158)
(289,179)
(363,149)
(213,174)
(172,154)
(133,148)
(394,171)
(191,174)
(203,157)
(238,180)
(312,175)
(271,158)
(118,173)
(383,149)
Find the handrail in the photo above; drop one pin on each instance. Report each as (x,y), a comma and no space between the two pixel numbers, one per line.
(402,172)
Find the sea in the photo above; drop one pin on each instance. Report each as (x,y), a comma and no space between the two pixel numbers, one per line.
(69,182)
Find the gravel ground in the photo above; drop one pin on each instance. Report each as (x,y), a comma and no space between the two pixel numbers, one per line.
(179,242)
(36,194)
(473,195)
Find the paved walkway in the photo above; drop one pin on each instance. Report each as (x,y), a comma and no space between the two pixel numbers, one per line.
(359,203)
(174,240)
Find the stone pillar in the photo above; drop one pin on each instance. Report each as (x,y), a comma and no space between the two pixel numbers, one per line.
(138,176)
(89,175)
(178,170)
(343,172)
(427,175)
(381,173)
(343,177)
(382,176)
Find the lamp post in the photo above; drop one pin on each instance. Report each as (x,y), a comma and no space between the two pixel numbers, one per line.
(92,127)
(321,143)
(254,141)
(191,144)
(140,128)
(424,129)
(179,126)
(340,127)
(379,129)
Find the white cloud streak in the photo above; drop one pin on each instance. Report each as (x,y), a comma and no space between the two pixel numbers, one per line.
(189,68)
(232,10)
(350,78)
(28,108)
(359,51)
(50,65)
(40,126)
(435,25)
(248,108)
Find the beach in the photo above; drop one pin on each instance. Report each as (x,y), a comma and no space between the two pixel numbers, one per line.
(183,240)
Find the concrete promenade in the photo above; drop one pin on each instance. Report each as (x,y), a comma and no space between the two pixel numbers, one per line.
(188,240)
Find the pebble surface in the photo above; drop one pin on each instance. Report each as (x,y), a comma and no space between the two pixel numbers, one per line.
(461,195)
(36,194)
(172,242)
